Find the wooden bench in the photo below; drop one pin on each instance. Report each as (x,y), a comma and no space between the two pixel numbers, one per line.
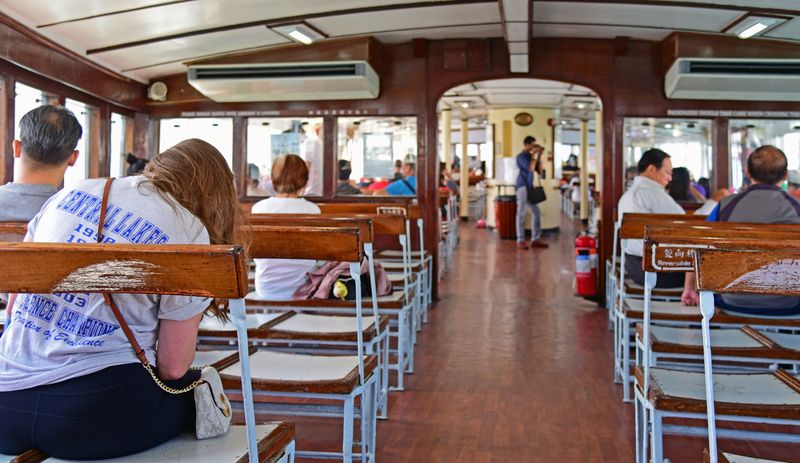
(724,457)
(200,270)
(771,397)
(315,385)
(300,332)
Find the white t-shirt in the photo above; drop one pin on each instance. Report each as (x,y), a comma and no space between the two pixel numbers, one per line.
(278,279)
(647,197)
(52,338)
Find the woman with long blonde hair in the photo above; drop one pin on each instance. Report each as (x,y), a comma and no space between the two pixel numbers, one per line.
(74,388)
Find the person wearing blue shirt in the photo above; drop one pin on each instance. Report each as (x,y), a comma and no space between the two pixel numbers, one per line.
(406,186)
(527,167)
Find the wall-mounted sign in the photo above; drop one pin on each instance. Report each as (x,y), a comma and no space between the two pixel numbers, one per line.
(523,119)
(730,113)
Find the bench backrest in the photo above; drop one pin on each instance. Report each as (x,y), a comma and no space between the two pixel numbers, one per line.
(363,224)
(670,248)
(413,211)
(199,270)
(13,231)
(632,225)
(310,242)
(754,269)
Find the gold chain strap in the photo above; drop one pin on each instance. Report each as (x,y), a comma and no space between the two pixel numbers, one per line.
(172,390)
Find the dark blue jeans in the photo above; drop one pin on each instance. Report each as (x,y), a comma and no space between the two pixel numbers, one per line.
(113,412)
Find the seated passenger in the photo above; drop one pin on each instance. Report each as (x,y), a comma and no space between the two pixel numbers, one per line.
(278,279)
(46,148)
(762,202)
(135,165)
(344,187)
(793,183)
(406,186)
(681,187)
(70,383)
(648,195)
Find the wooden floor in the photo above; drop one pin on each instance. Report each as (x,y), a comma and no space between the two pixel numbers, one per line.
(513,368)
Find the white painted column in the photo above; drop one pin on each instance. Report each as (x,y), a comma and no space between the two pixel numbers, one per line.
(447,139)
(464,171)
(584,163)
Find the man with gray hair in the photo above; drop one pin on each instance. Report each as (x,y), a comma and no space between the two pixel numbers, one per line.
(48,137)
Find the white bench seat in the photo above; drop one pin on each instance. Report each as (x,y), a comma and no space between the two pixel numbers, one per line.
(273,439)
(747,342)
(774,394)
(284,372)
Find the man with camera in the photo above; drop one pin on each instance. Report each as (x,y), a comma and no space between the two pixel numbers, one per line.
(528,162)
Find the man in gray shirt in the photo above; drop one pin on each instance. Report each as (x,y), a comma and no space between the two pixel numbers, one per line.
(762,202)
(48,137)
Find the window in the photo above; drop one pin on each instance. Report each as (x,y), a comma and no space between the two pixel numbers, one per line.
(216,131)
(87,117)
(688,142)
(270,137)
(372,146)
(118,167)
(747,135)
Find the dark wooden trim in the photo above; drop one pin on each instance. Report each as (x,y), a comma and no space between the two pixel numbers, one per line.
(7,94)
(272,446)
(720,147)
(29,50)
(330,156)
(280,21)
(239,153)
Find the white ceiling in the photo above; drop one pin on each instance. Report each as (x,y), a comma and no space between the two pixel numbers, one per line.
(514,93)
(178,31)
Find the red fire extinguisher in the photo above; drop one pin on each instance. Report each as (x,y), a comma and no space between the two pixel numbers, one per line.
(585,265)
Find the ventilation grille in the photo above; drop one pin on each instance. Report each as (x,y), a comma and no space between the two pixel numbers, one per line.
(785,68)
(278,72)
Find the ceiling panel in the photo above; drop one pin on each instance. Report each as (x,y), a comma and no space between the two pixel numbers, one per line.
(153,73)
(755,4)
(463,32)
(521,83)
(668,17)
(789,30)
(430,17)
(49,11)
(192,47)
(596,32)
(523,99)
(191,16)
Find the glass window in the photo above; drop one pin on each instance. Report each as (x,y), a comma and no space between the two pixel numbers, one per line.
(372,146)
(688,142)
(747,135)
(270,137)
(216,131)
(118,167)
(85,115)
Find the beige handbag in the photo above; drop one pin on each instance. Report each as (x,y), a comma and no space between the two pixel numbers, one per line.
(212,407)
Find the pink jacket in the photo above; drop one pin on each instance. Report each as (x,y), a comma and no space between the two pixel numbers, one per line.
(320,281)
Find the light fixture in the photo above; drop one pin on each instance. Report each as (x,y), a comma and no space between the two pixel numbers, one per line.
(299,32)
(464,104)
(753,24)
(667,126)
(580,105)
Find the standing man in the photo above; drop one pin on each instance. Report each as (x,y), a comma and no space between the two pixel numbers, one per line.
(48,137)
(527,162)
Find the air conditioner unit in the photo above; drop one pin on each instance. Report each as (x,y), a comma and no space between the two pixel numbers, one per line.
(734,79)
(339,80)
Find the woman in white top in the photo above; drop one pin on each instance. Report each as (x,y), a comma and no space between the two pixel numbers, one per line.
(278,279)
(70,384)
